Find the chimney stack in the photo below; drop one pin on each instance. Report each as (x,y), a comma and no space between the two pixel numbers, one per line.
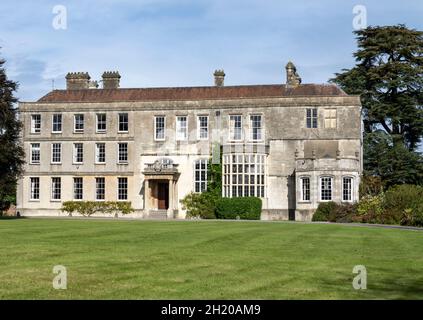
(111,79)
(292,78)
(77,80)
(219,78)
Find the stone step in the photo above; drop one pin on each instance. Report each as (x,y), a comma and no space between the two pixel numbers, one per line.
(158,214)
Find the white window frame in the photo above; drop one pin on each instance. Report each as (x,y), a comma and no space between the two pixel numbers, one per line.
(97,179)
(200,128)
(32,149)
(97,122)
(35,123)
(53,152)
(198,182)
(119,152)
(155,128)
(127,122)
(97,152)
(33,187)
(53,179)
(321,189)
(124,190)
(351,189)
(181,131)
(75,153)
(302,195)
(60,123)
(314,118)
(81,179)
(232,127)
(260,129)
(244,174)
(75,116)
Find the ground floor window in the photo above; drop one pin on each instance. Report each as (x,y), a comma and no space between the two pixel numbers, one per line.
(35,188)
(305,188)
(77,188)
(326,184)
(100,186)
(56,188)
(122,188)
(347,184)
(243,175)
(200,175)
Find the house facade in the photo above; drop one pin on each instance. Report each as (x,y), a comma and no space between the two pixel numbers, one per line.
(293,145)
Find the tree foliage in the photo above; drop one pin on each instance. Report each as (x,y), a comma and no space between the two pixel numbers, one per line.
(388,76)
(11,151)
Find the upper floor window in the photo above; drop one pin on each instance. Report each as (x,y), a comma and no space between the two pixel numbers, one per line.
(330,118)
(256,127)
(35,153)
(35,188)
(78,123)
(200,175)
(312,118)
(347,185)
(181,128)
(78,153)
(122,188)
(101,122)
(78,188)
(326,184)
(100,152)
(235,127)
(305,188)
(35,123)
(159,127)
(122,152)
(57,123)
(203,127)
(56,188)
(123,122)
(56,153)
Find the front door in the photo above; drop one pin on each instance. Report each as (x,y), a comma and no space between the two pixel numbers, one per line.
(163,196)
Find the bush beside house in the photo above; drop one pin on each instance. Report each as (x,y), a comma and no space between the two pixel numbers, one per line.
(246,208)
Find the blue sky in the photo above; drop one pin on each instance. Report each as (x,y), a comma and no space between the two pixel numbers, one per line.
(180,43)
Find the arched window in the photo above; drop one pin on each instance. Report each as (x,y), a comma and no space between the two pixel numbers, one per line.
(347,188)
(326,188)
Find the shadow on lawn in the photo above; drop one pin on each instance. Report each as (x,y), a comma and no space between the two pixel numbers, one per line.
(11,217)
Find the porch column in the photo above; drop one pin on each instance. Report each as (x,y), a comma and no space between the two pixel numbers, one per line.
(171,197)
(146,194)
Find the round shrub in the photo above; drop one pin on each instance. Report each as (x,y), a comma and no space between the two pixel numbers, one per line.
(323,211)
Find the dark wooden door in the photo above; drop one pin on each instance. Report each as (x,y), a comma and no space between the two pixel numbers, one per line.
(163,196)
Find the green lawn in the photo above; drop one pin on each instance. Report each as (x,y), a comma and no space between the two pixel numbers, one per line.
(110,259)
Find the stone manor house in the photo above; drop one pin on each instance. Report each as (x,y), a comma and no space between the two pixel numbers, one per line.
(293,145)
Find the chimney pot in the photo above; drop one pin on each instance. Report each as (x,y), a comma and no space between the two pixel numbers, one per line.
(219,78)
(292,78)
(111,79)
(77,80)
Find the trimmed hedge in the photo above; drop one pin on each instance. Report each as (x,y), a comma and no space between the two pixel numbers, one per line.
(87,208)
(244,208)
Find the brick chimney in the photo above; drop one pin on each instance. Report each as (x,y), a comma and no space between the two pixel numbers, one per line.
(77,80)
(219,78)
(292,78)
(111,79)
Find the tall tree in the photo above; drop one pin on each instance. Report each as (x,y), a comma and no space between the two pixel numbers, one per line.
(388,76)
(11,151)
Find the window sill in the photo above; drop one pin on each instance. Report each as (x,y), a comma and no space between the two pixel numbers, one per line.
(123,163)
(34,200)
(78,132)
(123,132)
(55,200)
(100,163)
(55,163)
(34,163)
(101,132)
(77,163)
(56,132)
